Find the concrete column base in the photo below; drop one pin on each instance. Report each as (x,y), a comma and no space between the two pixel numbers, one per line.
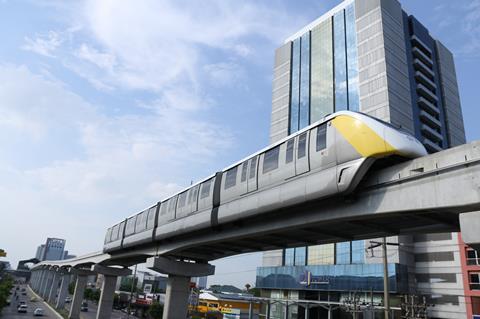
(178,283)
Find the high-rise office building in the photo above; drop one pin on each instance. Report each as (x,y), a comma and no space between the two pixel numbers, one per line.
(53,249)
(369,56)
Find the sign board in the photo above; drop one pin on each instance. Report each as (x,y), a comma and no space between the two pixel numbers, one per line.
(3,253)
(147,289)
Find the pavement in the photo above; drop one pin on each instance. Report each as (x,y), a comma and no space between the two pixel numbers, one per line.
(92,312)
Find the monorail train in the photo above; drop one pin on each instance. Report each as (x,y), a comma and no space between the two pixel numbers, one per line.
(327,158)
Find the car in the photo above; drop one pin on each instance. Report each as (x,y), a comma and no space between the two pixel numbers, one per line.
(84,306)
(8,302)
(68,300)
(24,293)
(22,308)
(38,312)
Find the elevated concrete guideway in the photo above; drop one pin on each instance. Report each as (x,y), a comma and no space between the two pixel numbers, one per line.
(424,195)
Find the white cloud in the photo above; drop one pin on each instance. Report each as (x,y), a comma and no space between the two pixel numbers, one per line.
(43,44)
(120,163)
(224,73)
(103,60)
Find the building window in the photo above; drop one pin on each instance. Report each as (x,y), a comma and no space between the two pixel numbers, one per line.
(343,253)
(321,137)
(321,102)
(231,177)
(270,160)
(358,252)
(295,89)
(474,281)
(302,146)
(300,256)
(321,254)
(289,151)
(289,257)
(304,112)
(472,257)
(352,59)
(341,86)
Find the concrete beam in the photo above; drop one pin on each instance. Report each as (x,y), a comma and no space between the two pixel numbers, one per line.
(111,271)
(171,267)
(470,228)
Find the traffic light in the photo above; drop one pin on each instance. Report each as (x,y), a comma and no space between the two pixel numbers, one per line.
(3,253)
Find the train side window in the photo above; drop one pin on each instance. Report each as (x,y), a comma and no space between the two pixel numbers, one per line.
(163,208)
(244,171)
(253,167)
(108,235)
(205,191)
(302,145)
(289,152)
(171,204)
(130,226)
(120,230)
(194,193)
(115,233)
(140,224)
(231,177)
(151,217)
(270,160)
(321,137)
(182,199)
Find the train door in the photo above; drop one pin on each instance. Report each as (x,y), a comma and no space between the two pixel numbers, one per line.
(252,174)
(302,163)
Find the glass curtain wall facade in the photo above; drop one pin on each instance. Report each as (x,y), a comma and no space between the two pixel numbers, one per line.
(324,70)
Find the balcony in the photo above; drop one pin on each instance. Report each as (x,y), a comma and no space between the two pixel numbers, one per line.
(429,119)
(420,66)
(431,146)
(425,92)
(433,135)
(423,57)
(421,78)
(429,107)
(416,42)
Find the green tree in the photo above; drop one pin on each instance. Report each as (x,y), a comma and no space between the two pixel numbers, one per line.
(155,311)
(71,288)
(6,284)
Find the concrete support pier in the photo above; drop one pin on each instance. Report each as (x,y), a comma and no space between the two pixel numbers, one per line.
(110,275)
(62,294)
(82,277)
(48,282)
(52,294)
(178,283)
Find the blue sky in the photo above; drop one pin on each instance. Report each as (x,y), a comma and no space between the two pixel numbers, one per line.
(108,106)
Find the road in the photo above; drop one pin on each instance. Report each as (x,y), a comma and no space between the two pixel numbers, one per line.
(10,312)
(92,312)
